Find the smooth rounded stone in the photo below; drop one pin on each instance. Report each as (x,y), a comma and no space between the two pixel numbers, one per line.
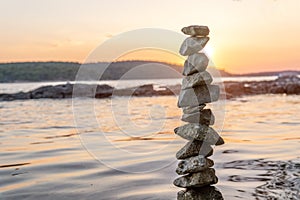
(193,45)
(198,95)
(190,110)
(203,117)
(202,78)
(204,193)
(197,62)
(196,30)
(193,164)
(196,180)
(194,148)
(199,132)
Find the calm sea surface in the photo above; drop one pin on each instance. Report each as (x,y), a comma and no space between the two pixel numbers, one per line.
(124,148)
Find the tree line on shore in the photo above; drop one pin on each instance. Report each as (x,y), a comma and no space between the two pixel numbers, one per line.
(67,71)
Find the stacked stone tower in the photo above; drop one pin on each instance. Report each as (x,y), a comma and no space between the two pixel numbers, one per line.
(197,90)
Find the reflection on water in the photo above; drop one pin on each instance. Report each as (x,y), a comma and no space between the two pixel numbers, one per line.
(42,156)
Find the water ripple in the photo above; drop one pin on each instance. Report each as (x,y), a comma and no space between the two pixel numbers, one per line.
(281,178)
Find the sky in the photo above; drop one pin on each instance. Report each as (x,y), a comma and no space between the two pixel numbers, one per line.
(245,35)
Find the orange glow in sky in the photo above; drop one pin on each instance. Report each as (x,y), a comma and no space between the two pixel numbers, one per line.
(153,55)
(246,36)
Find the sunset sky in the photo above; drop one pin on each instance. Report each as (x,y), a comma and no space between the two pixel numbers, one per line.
(246,35)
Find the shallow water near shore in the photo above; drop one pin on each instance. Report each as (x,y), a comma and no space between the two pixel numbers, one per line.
(43,156)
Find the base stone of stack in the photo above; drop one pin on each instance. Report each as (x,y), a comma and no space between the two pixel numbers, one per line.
(193,45)
(199,132)
(193,164)
(199,179)
(197,62)
(194,148)
(198,95)
(196,30)
(205,193)
(203,117)
(201,78)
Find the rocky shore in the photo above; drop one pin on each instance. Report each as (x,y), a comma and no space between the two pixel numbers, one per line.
(288,84)
(283,85)
(85,90)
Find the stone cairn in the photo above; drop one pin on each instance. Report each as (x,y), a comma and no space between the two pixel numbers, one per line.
(196,92)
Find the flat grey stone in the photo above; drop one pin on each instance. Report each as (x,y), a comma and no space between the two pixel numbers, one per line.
(193,164)
(193,45)
(197,62)
(203,193)
(198,95)
(199,132)
(203,117)
(194,148)
(196,30)
(201,78)
(190,110)
(195,180)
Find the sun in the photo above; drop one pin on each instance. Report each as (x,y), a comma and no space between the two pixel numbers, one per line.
(209,50)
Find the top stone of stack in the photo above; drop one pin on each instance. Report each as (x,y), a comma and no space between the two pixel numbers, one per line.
(196,30)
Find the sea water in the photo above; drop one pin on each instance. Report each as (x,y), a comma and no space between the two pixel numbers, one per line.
(124,148)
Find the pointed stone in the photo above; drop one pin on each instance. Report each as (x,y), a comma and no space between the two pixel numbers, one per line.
(196,30)
(197,62)
(203,117)
(193,164)
(188,69)
(196,180)
(199,132)
(202,78)
(190,110)
(193,45)
(194,148)
(203,193)
(198,95)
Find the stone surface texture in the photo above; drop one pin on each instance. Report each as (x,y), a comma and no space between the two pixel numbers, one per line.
(197,62)
(193,164)
(199,179)
(202,78)
(199,132)
(194,148)
(203,117)
(193,45)
(196,30)
(204,193)
(198,95)
(190,110)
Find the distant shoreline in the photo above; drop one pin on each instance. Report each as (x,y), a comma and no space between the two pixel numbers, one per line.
(25,72)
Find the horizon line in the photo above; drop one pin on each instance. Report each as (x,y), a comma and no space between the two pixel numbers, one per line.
(61,61)
(140,60)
